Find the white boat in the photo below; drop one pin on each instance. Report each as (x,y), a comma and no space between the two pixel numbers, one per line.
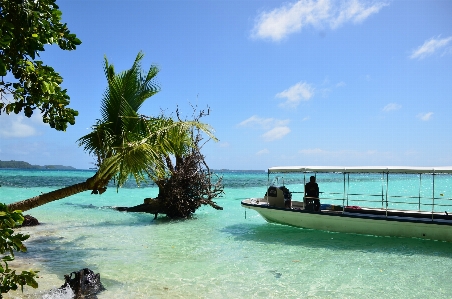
(339,213)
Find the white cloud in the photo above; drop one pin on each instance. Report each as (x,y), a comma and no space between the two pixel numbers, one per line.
(301,91)
(392,107)
(276,133)
(430,47)
(425,116)
(19,126)
(340,84)
(290,18)
(264,123)
(263,152)
(276,129)
(354,11)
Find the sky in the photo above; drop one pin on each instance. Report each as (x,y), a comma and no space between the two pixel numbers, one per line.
(309,82)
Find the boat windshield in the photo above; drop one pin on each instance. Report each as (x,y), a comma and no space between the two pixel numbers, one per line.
(277,181)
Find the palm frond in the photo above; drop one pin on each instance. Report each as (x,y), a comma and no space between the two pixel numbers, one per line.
(125,142)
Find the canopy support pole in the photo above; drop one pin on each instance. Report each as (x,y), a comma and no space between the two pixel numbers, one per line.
(433,195)
(420,185)
(343,197)
(387,188)
(382,190)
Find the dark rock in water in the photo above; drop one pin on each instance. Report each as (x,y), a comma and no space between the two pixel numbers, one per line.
(85,284)
(30,221)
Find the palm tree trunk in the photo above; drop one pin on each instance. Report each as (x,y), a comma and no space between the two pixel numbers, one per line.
(42,199)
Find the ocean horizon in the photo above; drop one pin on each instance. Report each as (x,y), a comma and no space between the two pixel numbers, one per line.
(231,253)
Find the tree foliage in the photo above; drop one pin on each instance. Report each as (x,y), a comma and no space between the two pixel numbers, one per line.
(27,84)
(188,183)
(9,243)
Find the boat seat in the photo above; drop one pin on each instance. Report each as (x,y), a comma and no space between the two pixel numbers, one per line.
(275,197)
(308,202)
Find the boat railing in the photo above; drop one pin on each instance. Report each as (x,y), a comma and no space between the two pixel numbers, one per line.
(419,203)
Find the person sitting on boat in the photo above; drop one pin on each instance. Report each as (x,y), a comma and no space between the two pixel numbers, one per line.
(311,193)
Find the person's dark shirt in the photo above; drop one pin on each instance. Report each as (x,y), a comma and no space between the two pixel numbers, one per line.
(312,189)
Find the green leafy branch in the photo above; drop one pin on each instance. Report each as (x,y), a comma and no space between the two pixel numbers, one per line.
(25,28)
(10,243)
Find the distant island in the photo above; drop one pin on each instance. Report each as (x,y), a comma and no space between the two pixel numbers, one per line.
(25,165)
(237,170)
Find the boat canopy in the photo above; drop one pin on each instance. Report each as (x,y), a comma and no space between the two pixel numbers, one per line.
(361,169)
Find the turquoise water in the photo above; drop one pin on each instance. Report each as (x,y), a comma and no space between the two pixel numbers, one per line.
(222,254)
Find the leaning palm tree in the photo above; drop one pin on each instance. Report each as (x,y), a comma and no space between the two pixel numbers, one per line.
(125,142)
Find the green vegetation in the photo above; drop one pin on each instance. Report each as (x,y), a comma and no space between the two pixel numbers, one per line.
(9,243)
(25,27)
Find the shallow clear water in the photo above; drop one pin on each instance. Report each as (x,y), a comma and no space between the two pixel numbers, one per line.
(222,254)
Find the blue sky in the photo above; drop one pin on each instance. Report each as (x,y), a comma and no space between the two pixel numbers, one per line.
(287,82)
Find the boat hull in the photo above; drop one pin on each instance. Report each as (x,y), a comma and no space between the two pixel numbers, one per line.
(357,223)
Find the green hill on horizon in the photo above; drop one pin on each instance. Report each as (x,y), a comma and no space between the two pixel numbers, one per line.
(26,165)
